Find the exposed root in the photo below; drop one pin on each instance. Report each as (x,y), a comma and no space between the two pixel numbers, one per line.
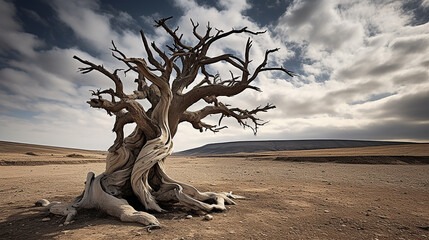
(95,197)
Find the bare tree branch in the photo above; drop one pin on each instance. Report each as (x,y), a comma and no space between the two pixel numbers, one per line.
(118,83)
(177,40)
(195,118)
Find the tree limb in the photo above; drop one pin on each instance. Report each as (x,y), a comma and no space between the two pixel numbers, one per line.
(239,114)
(118,83)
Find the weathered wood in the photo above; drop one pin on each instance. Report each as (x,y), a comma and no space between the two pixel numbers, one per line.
(134,165)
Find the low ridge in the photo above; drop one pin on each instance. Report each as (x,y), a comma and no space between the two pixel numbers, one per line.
(280,145)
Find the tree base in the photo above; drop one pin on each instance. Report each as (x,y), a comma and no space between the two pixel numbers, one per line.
(170,191)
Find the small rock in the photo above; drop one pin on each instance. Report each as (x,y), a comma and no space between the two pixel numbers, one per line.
(46,219)
(326,211)
(231,232)
(138,233)
(61,225)
(343,225)
(208,217)
(200,212)
(213,184)
(224,215)
(240,221)
(189,217)
(65,231)
(208,228)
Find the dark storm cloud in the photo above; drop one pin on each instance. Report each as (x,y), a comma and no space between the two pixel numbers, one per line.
(412,108)
(382,130)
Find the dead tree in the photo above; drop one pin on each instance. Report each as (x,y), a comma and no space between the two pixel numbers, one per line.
(134,164)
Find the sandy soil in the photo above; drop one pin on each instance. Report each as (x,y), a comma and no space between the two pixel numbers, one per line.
(285,200)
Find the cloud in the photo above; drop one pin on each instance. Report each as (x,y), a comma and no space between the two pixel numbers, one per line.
(408,108)
(361,74)
(12,37)
(86,23)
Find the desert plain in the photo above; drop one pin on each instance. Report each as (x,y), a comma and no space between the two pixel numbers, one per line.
(285,198)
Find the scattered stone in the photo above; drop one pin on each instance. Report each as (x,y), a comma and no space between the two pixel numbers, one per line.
(213,184)
(200,212)
(326,211)
(75,155)
(46,219)
(224,215)
(61,225)
(231,232)
(383,217)
(208,228)
(240,221)
(138,233)
(343,225)
(189,217)
(208,217)
(65,231)
(41,202)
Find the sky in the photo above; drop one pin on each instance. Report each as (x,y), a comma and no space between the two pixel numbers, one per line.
(361,66)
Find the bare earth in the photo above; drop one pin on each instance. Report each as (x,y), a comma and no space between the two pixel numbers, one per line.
(284,200)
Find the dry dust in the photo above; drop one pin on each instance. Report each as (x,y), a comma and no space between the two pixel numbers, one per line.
(284,200)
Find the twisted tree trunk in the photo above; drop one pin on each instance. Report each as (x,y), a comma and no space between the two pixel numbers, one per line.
(134,165)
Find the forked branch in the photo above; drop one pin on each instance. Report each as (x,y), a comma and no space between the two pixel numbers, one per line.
(241,115)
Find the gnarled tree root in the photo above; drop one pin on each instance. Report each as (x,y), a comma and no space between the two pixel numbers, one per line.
(95,197)
(169,191)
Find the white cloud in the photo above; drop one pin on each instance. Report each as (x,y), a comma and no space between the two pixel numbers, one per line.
(364,72)
(86,23)
(12,37)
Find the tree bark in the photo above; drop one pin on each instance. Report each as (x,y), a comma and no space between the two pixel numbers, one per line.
(135,164)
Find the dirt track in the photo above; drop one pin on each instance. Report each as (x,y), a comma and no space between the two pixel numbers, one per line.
(285,200)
